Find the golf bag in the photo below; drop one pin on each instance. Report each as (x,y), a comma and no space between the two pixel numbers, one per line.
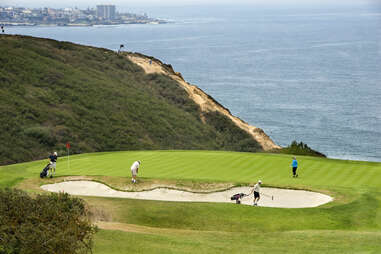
(44,172)
(237,197)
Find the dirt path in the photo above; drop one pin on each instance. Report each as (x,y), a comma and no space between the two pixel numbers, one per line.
(144,229)
(283,198)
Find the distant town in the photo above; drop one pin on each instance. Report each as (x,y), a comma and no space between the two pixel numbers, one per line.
(101,15)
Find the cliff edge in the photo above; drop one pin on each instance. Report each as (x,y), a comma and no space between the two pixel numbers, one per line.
(207,104)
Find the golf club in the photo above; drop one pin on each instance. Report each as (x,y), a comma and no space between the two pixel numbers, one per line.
(269,196)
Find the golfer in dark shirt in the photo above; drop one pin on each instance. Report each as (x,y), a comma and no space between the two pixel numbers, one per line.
(52,161)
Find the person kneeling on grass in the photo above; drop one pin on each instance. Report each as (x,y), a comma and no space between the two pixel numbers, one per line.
(256,190)
(52,167)
(134,170)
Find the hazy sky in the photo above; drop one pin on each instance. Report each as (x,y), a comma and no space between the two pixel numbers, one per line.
(125,3)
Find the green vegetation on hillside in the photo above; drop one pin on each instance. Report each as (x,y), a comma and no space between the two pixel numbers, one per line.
(55,92)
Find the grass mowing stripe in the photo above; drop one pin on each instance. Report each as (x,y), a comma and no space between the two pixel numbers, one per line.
(373,180)
(215,166)
(361,176)
(335,176)
(218,166)
(168,164)
(330,175)
(258,170)
(320,174)
(371,177)
(348,177)
(175,167)
(244,166)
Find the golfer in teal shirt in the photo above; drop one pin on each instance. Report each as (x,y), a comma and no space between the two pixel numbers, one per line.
(294,167)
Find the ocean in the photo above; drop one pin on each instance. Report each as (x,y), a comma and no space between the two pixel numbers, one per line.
(311,73)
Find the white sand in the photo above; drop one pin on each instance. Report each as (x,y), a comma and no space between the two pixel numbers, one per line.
(284,198)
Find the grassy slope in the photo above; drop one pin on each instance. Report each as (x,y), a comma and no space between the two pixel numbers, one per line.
(302,242)
(351,224)
(52,92)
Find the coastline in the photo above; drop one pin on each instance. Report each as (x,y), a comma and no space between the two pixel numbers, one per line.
(347,132)
(25,24)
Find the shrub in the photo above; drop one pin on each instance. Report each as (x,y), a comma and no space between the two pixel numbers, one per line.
(55,223)
(42,134)
(301,149)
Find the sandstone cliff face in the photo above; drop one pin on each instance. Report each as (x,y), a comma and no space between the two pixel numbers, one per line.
(206,102)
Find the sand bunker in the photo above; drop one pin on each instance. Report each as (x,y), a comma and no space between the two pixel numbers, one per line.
(282,197)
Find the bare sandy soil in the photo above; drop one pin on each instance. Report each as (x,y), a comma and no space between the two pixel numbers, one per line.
(271,197)
(204,101)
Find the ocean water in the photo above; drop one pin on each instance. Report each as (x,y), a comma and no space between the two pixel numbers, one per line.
(310,74)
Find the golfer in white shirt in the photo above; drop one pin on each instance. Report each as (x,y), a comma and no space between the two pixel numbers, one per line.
(256,190)
(134,170)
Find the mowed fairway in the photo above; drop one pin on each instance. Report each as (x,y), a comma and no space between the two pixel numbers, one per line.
(349,224)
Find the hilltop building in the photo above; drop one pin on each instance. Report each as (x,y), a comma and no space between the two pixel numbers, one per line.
(106,12)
